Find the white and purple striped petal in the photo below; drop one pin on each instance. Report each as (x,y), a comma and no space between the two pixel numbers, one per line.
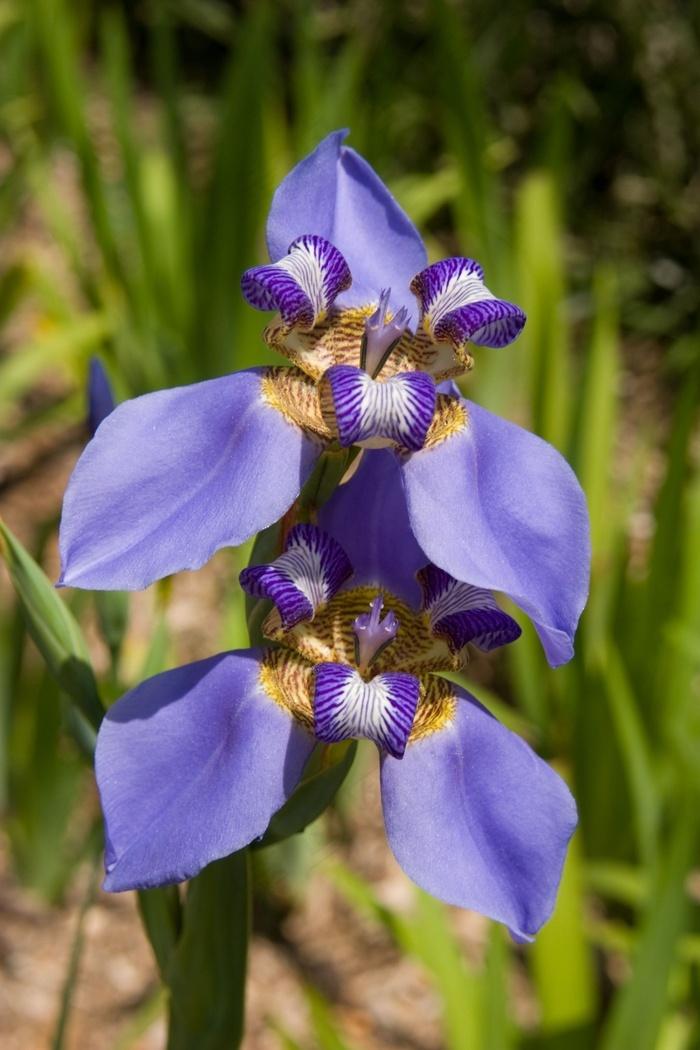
(376,414)
(302,285)
(382,710)
(457,307)
(462,613)
(310,571)
(333,192)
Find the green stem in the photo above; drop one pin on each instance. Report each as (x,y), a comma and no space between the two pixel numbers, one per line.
(207,971)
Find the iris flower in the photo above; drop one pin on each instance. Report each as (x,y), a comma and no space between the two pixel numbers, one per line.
(371,330)
(193,763)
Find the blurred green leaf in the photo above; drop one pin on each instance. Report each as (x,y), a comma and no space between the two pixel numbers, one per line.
(637,1013)
(562,963)
(53,628)
(313,796)
(635,752)
(207,971)
(58,1041)
(161,914)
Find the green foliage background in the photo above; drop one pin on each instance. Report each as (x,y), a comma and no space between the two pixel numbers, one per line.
(557,143)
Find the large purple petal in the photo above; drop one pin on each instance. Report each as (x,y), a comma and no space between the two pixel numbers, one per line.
(478,820)
(336,194)
(499,508)
(191,765)
(172,476)
(368,517)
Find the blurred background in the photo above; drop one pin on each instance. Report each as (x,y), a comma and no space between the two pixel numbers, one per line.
(557,143)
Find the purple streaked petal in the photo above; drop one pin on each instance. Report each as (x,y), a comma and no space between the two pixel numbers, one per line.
(382,710)
(311,570)
(333,192)
(100,398)
(462,613)
(368,517)
(302,285)
(171,477)
(456,305)
(478,820)
(399,409)
(497,507)
(191,765)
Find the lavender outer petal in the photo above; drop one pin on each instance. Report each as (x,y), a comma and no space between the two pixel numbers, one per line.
(191,765)
(497,507)
(478,820)
(369,519)
(336,194)
(171,477)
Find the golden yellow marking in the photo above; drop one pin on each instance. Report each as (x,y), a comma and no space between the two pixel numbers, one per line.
(436,707)
(297,397)
(337,340)
(450,418)
(330,637)
(289,681)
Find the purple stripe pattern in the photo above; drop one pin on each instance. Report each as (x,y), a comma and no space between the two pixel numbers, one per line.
(302,285)
(310,571)
(398,410)
(382,710)
(456,305)
(461,613)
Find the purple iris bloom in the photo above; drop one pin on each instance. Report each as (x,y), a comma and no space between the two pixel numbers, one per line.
(371,330)
(100,396)
(192,764)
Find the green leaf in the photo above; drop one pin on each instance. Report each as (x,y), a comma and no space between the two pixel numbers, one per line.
(312,797)
(323,1022)
(427,935)
(635,752)
(638,1010)
(53,628)
(161,914)
(113,616)
(562,963)
(59,1038)
(207,973)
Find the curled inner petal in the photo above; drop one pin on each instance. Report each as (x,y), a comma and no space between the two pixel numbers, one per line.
(308,573)
(461,613)
(457,306)
(302,285)
(367,411)
(381,710)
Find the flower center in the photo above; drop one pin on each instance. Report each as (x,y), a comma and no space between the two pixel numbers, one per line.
(373,634)
(381,335)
